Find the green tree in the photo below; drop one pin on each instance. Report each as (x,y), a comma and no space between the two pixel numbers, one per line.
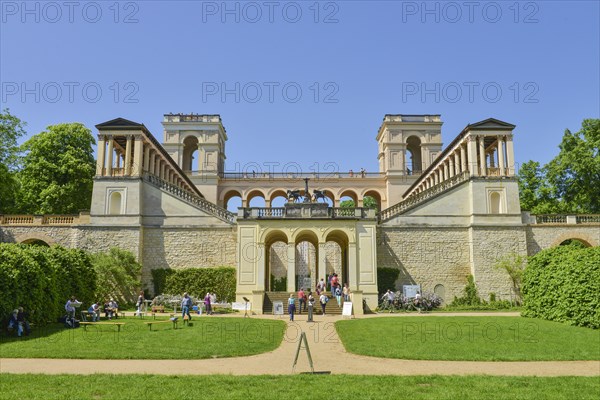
(368,202)
(571,181)
(117,275)
(514,265)
(58,170)
(11,129)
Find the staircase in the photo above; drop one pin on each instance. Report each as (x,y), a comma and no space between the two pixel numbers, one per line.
(271,297)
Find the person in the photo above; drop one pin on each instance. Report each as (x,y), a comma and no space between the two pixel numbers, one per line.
(291,307)
(70,307)
(95,311)
(338,295)
(114,306)
(346,292)
(388,297)
(186,303)
(207,304)
(351,173)
(320,287)
(301,300)
(418,302)
(18,320)
(363,172)
(108,312)
(213,298)
(139,304)
(334,283)
(323,300)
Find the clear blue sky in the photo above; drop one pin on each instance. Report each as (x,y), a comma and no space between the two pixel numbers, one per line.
(367,58)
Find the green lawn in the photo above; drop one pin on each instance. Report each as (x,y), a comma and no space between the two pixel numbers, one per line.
(294,387)
(469,338)
(208,337)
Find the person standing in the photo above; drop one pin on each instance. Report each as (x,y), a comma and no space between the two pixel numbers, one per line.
(186,303)
(207,304)
(346,292)
(334,283)
(320,287)
(338,296)
(291,307)
(139,304)
(323,300)
(301,300)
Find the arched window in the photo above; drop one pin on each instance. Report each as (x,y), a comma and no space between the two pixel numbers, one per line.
(115,203)
(413,146)
(190,153)
(495,203)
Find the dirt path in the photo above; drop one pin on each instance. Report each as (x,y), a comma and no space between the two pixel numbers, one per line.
(328,354)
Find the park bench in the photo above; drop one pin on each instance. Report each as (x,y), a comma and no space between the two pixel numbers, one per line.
(156,309)
(174,322)
(117,324)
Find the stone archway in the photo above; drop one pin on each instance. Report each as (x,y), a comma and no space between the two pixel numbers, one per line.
(306,268)
(36,238)
(276,261)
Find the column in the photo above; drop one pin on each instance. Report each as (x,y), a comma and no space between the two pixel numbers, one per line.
(456,163)
(111,152)
(463,158)
(510,163)
(353,268)
(291,267)
(501,160)
(322,261)
(101,155)
(446,170)
(492,158)
(472,155)
(152,167)
(451,162)
(146,158)
(268,203)
(128,156)
(483,166)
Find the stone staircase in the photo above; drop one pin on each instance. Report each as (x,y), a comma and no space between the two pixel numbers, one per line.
(271,297)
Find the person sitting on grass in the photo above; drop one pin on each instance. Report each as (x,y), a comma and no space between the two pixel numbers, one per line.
(18,321)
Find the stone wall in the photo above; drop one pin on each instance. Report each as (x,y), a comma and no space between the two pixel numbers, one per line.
(428,257)
(489,245)
(187,247)
(540,237)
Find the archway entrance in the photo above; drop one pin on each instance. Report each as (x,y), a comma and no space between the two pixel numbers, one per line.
(336,260)
(276,262)
(306,256)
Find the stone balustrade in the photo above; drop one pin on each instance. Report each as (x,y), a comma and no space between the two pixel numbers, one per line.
(49,219)
(421,197)
(561,219)
(306,211)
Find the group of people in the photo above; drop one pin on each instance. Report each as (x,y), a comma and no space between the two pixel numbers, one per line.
(305,300)
(363,173)
(110,309)
(187,303)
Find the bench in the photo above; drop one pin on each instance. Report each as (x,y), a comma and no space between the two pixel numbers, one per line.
(162,322)
(156,309)
(117,324)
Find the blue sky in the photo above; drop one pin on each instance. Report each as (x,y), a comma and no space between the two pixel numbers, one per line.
(533,64)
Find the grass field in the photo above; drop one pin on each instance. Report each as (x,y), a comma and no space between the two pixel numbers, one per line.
(97,387)
(208,337)
(469,338)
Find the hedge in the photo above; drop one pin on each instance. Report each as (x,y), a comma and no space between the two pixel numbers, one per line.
(563,284)
(41,279)
(197,282)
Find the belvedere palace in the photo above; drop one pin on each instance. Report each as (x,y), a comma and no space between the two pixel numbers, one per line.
(443,211)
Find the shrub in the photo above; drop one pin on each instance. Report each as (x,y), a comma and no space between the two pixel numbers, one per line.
(41,279)
(118,276)
(386,279)
(198,281)
(470,297)
(562,284)
(159,278)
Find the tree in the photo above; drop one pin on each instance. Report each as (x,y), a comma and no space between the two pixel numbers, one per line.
(514,265)
(117,275)
(368,202)
(58,170)
(571,181)
(11,129)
